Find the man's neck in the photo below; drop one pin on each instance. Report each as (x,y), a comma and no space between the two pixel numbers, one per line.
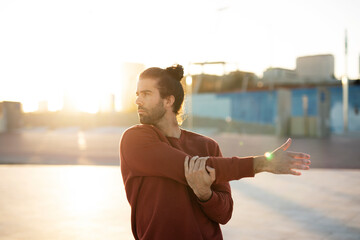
(169,126)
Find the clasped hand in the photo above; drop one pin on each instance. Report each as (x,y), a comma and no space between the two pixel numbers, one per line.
(199,176)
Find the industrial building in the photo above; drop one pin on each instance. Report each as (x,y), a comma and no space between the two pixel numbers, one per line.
(316,69)
(274,76)
(10,116)
(310,70)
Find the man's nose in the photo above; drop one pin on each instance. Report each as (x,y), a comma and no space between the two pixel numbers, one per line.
(138,101)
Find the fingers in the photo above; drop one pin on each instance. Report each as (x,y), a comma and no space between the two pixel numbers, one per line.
(203,163)
(301,167)
(296,173)
(197,164)
(302,164)
(210,169)
(192,163)
(186,165)
(200,164)
(301,161)
(298,155)
(211,172)
(286,145)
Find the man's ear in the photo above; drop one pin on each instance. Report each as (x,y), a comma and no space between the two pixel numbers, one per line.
(169,101)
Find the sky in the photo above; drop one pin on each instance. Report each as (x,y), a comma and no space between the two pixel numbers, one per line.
(75,48)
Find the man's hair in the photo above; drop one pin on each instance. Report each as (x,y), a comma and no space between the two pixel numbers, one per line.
(168,83)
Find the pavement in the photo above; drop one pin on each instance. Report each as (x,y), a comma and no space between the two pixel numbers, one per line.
(66,184)
(41,202)
(100,147)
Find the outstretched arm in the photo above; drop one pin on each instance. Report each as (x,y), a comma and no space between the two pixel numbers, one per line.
(200,177)
(143,153)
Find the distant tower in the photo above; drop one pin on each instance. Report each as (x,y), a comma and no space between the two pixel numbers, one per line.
(346,54)
(67,103)
(10,116)
(345,88)
(43,106)
(112,103)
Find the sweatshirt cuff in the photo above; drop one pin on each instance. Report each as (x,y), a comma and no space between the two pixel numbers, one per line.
(252,170)
(246,168)
(211,202)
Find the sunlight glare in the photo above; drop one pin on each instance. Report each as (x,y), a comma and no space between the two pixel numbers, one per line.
(80,197)
(81,141)
(84,100)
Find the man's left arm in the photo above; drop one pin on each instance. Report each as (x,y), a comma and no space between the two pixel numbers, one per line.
(214,198)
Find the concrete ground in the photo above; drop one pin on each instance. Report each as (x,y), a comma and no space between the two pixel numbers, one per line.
(66,184)
(100,147)
(88,202)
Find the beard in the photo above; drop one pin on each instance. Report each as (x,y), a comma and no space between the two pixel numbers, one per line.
(153,115)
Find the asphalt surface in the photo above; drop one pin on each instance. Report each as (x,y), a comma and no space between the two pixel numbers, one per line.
(41,202)
(100,147)
(66,184)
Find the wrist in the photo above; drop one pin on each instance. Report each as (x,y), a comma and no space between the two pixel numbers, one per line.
(260,164)
(205,196)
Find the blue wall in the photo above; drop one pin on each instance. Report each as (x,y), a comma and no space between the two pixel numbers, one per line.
(261,107)
(210,105)
(297,109)
(253,107)
(336,112)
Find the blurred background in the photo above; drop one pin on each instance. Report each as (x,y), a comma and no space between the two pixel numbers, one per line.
(256,73)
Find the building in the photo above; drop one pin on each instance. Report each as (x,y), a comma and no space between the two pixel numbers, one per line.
(234,81)
(108,104)
(310,70)
(68,104)
(10,116)
(315,69)
(43,106)
(274,76)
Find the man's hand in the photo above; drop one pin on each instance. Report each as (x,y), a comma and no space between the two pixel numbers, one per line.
(198,178)
(282,162)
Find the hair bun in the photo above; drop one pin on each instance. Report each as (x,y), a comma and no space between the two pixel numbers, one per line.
(176,71)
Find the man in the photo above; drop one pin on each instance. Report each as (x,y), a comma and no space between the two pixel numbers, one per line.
(174,193)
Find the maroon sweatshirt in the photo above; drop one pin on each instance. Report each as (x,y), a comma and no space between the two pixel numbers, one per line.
(163,206)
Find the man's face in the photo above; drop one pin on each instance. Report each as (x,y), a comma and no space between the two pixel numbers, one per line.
(150,105)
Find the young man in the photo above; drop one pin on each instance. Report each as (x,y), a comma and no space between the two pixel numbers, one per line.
(174,193)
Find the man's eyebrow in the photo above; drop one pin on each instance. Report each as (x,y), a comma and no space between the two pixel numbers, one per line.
(144,91)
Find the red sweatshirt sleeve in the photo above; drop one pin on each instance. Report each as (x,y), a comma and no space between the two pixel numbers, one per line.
(220,206)
(144,154)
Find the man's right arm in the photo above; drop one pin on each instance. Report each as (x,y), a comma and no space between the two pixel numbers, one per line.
(144,154)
